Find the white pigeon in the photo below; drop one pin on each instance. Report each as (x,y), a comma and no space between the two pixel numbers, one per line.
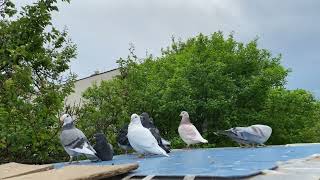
(74,142)
(252,135)
(141,139)
(188,132)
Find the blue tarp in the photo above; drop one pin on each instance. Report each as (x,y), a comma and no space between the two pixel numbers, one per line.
(213,162)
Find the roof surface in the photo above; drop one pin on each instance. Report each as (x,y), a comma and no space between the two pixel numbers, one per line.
(214,162)
(97,74)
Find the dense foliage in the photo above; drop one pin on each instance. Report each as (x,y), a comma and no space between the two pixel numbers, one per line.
(221,83)
(33,58)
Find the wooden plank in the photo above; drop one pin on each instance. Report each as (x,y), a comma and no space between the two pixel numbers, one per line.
(77,172)
(148,177)
(15,169)
(189,177)
(306,169)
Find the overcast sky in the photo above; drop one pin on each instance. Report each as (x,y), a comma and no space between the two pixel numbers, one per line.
(103,29)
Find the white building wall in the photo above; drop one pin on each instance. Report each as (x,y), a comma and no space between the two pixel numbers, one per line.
(82,84)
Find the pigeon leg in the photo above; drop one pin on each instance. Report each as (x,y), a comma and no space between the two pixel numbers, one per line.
(244,145)
(71,158)
(254,145)
(77,159)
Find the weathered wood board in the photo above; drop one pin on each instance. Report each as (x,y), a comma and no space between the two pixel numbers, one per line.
(15,169)
(297,169)
(80,172)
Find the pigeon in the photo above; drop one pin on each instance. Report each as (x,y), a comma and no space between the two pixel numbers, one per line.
(141,139)
(188,132)
(102,147)
(122,139)
(147,122)
(252,135)
(74,142)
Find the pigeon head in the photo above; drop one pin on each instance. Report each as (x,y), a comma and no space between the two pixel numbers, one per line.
(146,121)
(184,114)
(145,115)
(66,119)
(100,137)
(185,117)
(135,118)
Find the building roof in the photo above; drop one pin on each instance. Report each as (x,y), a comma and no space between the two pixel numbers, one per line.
(97,74)
(213,162)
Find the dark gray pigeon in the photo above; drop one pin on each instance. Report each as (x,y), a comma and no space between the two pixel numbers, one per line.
(147,122)
(249,136)
(103,148)
(74,142)
(122,139)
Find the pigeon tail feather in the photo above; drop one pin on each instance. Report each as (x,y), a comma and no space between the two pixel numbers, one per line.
(204,140)
(221,132)
(85,150)
(164,153)
(165,148)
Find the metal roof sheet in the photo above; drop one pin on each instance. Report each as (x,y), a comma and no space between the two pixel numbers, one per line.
(213,162)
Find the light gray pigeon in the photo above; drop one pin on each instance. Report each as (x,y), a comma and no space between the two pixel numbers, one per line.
(188,132)
(141,139)
(74,142)
(249,136)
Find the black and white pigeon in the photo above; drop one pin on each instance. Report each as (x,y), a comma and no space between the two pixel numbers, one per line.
(122,139)
(147,122)
(102,147)
(249,136)
(74,142)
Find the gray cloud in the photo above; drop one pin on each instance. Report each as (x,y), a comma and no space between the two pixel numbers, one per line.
(103,29)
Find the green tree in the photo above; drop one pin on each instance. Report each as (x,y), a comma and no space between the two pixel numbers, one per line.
(34,57)
(294,116)
(104,111)
(221,83)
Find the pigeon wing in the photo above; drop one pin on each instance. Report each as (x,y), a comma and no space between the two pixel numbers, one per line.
(250,134)
(155,133)
(74,140)
(143,138)
(165,142)
(189,131)
(84,149)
